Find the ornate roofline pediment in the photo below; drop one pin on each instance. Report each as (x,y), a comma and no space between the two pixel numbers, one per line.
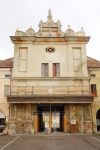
(49,28)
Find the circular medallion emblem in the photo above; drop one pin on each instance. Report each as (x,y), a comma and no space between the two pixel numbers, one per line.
(50,49)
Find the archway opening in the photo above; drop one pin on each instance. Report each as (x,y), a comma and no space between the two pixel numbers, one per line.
(98,120)
(2,121)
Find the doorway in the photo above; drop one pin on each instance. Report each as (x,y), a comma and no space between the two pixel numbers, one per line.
(2,121)
(50,116)
(98,120)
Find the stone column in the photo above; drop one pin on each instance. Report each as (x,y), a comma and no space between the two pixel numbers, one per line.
(65,122)
(65,118)
(28,120)
(50,121)
(12,122)
(35,118)
(88,126)
(10,111)
(35,123)
(73,123)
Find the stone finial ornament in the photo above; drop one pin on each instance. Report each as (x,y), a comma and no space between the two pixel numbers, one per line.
(30,32)
(40,27)
(20,33)
(49,15)
(80,33)
(69,31)
(49,28)
(40,23)
(59,24)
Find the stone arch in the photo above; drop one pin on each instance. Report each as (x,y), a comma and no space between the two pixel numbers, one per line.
(98,120)
(2,111)
(2,120)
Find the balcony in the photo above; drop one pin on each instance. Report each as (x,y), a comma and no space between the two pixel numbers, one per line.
(45,90)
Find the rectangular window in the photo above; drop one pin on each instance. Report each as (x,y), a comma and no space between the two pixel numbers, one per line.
(6,90)
(56,69)
(23,53)
(77,54)
(23,65)
(44,69)
(76,47)
(77,65)
(92,75)
(93,90)
(77,60)
(7,76)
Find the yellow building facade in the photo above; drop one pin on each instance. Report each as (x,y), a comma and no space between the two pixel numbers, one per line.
(50,82)
(94,71)
(5,80)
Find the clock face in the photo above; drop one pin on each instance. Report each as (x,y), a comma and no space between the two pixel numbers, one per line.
(50,49)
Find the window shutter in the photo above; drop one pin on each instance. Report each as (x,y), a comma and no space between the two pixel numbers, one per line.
(93,90)
(6,90)
(58,70)
(44,69)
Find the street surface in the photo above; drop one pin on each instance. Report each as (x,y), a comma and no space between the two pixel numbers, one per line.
(50,142)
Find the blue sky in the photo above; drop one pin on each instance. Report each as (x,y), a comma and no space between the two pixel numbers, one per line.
(21,14)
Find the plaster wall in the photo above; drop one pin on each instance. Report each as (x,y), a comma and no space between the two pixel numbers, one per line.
(4,106)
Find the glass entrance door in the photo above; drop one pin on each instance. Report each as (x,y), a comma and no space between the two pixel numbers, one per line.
(50,116)
(55,121)
(46,119)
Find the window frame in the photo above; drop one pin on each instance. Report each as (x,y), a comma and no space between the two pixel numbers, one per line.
(6,91)
(94,90)
(44,69)
(7,76)
(22,67)
(56,69)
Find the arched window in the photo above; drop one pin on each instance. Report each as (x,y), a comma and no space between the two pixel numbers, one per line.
(98,120)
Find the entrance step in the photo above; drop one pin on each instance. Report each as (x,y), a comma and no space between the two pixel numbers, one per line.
(58,134)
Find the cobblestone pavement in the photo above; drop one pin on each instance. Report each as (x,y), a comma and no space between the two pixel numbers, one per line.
(50,142)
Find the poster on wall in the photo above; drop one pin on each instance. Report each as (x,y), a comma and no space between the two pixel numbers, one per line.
(73,121)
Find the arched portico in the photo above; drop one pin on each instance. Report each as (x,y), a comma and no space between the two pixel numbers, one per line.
(98,120)
(2,120)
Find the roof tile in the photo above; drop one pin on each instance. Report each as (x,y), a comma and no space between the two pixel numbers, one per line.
(91,63)
(7,63)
